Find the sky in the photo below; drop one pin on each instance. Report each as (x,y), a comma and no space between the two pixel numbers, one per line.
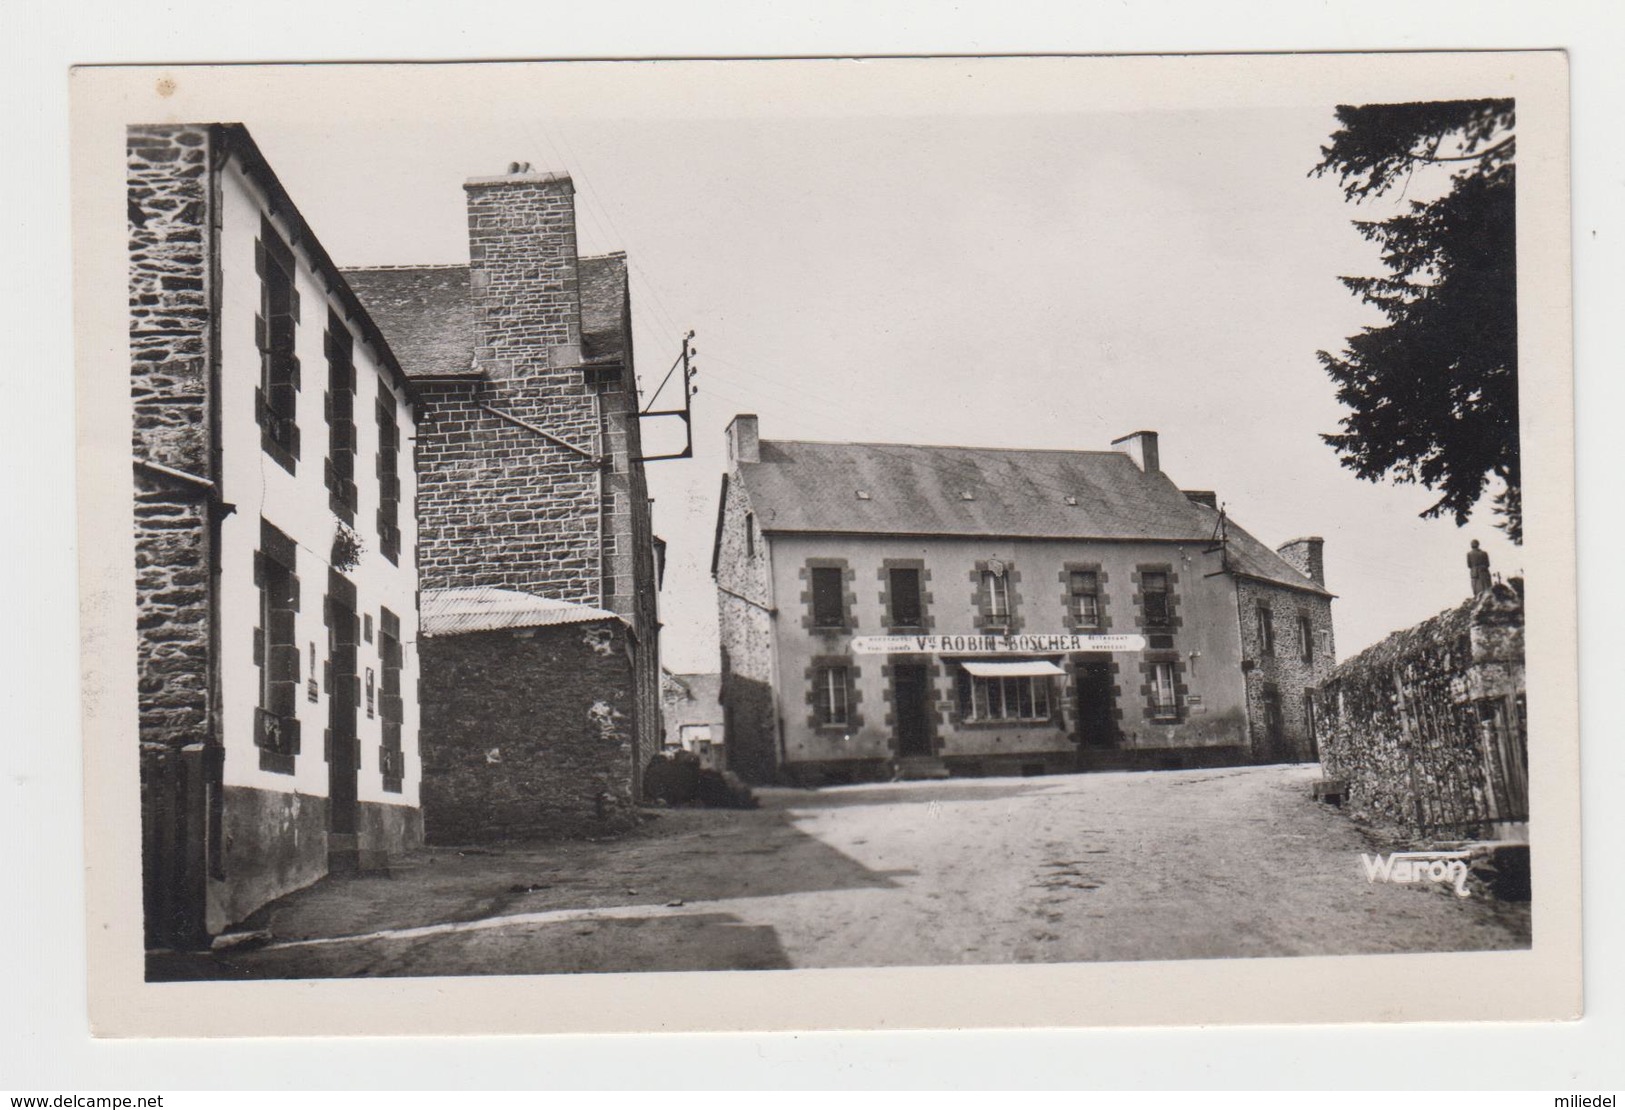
(983,272)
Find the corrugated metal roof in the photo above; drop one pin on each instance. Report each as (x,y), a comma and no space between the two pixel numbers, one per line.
(908,489)
(486,608)
(430,318)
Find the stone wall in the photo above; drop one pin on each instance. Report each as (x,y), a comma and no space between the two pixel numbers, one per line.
(170,202)
(500,505)
(745,628)
(1427,727)
(1284,669)
(500,502)
(508,756)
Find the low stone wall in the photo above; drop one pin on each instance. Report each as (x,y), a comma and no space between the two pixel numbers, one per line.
(528,733)
(1427,728)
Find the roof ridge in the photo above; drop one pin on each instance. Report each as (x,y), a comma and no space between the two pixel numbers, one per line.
(948,447)
(408,266)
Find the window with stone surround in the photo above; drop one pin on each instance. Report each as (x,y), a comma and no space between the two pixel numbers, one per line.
(1164,703)
(389,480)
(997,596)
(276,650)
(996,588)
(1266,629)
(1306,638)
(391,707)
(828,597)
(276,401)
(1162,685)
(340,410)
(1155,599)
(1084,594)
(832,703)
(904,608)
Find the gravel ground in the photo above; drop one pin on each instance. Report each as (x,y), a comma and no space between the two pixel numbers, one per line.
(1131,866)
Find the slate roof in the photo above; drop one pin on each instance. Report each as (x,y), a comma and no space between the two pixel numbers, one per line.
(916,490)
(486,608)
(603,285)
(429,316)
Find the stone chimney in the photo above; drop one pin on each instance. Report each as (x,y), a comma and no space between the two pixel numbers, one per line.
(523,272)
(743,444)
(1142,448)
(1306,555)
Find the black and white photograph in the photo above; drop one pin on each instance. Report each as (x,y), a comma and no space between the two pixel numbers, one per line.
(585,521)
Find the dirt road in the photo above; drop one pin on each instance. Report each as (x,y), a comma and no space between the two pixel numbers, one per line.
(1132,866)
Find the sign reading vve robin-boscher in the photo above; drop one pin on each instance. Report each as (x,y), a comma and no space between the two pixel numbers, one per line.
(1024,644)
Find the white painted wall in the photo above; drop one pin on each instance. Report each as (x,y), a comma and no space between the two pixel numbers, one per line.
(298,505)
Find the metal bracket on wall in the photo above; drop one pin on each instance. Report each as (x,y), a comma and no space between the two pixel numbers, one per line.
(685,360)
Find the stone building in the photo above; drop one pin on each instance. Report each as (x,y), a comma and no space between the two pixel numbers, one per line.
(896,609)
(530,482)
(275,545)
(692,706)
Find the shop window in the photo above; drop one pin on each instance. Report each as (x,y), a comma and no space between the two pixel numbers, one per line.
(1003,698)
(276,401)
(276,651)
(904,589)
(832,701)
(828,597)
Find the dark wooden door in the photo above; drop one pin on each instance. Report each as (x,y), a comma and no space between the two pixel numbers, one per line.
(1274,724)
(911,694)
(1097,721)
(343,749)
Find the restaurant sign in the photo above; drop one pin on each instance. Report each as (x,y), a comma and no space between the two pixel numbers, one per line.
(1023,644)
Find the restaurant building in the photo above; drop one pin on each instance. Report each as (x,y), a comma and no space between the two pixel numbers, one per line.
(901,610)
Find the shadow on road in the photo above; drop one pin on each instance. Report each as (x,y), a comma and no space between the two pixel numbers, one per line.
(680,856)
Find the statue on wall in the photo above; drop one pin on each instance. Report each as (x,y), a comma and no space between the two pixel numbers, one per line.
(1478,566)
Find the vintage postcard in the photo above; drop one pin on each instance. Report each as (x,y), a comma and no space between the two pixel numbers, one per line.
(905,543)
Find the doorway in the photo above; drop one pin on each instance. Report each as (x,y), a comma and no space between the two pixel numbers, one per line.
(1097,717)
(911,701)
(1274,724)
(343,747)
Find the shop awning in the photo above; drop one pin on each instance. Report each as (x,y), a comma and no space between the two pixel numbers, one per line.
(1016,668)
